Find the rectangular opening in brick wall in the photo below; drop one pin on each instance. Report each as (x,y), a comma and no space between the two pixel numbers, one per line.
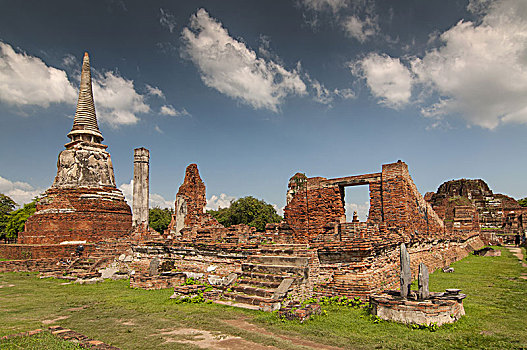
(357,198)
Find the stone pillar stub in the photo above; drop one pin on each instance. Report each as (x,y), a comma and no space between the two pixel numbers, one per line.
(422,282)
(406,273)
(141,186)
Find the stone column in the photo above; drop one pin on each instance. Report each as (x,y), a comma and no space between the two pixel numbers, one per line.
(141,186)
(406,273)
(422,282)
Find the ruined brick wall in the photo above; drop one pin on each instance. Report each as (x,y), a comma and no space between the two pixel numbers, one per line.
(359,269)
(497,213)
(78,214)
(190,204)
(311,206)
(28,265)
(403,206)
(315,203)
(40,251)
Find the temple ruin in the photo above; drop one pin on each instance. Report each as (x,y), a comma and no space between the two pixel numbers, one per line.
(83,204)
(313,252)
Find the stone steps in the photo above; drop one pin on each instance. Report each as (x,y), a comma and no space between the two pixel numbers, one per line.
(252,290)
(259,283)
(278,260)
(295,271)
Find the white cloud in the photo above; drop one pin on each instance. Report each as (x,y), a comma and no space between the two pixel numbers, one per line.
(27,80)
(116,100)
(360,29)
(323,95)
(158,129)
(321,5)
(154,199)
(167,20)
(171,111)
(388,79)
(221,201)
(20,192)
(362,210)
(480,71)
(228,66)
(154,91)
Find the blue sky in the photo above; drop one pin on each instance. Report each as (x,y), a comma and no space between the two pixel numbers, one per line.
(255,91)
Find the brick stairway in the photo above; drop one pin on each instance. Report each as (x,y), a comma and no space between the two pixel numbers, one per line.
(266,280)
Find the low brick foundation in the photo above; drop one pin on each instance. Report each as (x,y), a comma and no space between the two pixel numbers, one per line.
(439,309)
(41,251)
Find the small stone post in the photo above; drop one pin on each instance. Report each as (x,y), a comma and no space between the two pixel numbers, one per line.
(422,282)
(141,187)
(406,273)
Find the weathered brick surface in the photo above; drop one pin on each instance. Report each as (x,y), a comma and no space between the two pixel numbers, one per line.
(315,204)
(40,251)
(77,214)
(471,205)
(28,265)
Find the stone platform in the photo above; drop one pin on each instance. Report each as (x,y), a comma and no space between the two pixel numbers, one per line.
(439,309)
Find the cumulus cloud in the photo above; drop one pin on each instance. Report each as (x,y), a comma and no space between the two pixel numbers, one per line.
(154,91)
(20,192)
(360,29)
(167,20)
(480,71)
(362,210)
(171,111)
(154,199)
(222,201)
(27,80)
(229,66)
(388,79)
(116,99)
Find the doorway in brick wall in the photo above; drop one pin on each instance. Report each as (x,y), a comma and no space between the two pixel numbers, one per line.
(357,198)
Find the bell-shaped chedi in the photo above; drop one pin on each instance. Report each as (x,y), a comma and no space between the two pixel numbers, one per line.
(83,204)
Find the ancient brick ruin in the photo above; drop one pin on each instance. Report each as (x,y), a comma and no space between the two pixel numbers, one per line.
(466,205)
(83,204)
(314,252)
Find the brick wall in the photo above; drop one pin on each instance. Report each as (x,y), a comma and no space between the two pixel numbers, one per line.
(40,251)
(78,214)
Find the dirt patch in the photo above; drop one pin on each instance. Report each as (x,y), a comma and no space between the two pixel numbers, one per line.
(80,308)
(243,324)
(126,322)
(211,340)
(517,252)
(46,322)
(6,286)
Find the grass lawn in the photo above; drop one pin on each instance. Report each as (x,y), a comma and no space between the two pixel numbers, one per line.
(42,340)
(496,309)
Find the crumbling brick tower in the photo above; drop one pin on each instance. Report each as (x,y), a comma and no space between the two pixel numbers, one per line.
(83,204)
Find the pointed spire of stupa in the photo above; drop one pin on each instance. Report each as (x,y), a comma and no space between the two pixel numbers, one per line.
(85,126)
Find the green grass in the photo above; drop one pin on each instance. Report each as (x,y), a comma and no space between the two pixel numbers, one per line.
(39,341)
(496,309)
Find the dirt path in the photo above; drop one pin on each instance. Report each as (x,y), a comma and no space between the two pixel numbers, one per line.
(517,252)
(210,340)
(243,324)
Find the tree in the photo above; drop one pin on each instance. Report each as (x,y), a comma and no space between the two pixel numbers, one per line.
(17,219)
(523,202)
(248,210)
(6,206)
(159,219)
